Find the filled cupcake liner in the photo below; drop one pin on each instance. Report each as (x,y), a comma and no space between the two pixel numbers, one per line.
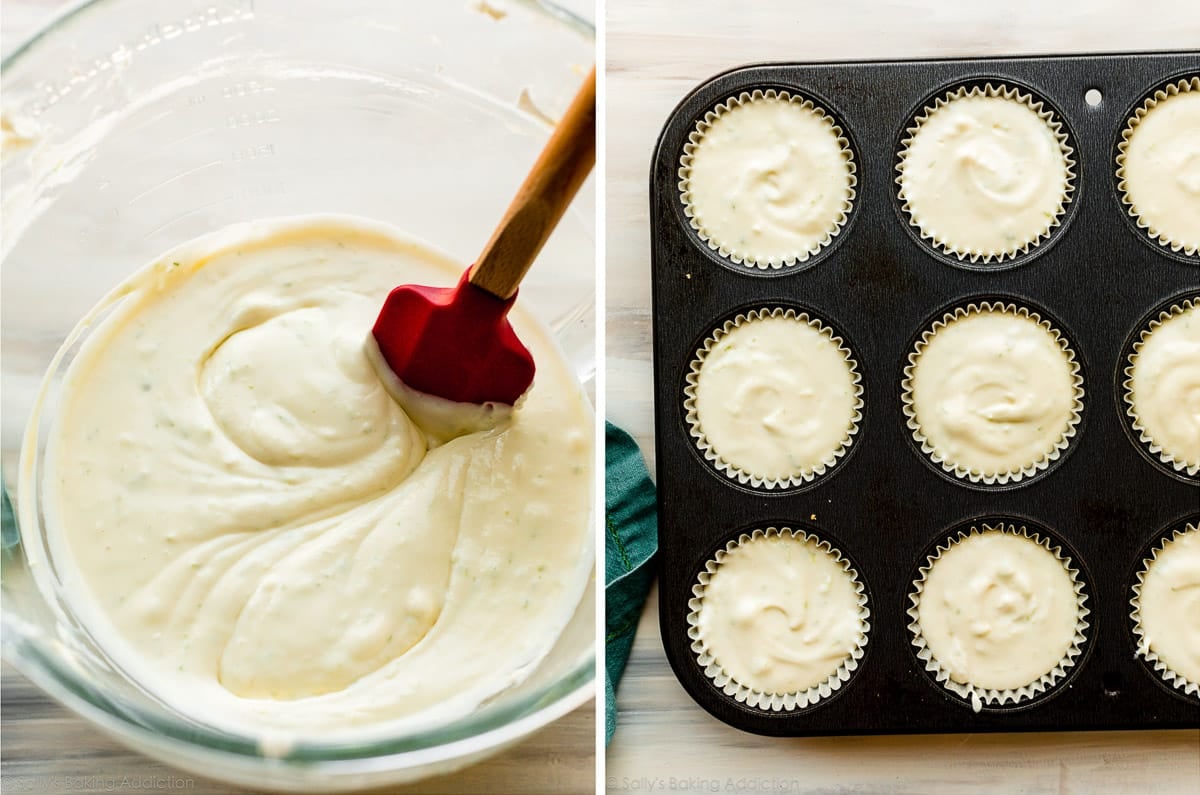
(959,471)
(1143,650)
(775,702)
(977,696)
(1191,469)
(1045,114)
(693,418)
(1181,86)
(684,173)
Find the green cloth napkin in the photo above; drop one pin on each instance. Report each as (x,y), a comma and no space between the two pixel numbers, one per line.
(8,521)
(631,539)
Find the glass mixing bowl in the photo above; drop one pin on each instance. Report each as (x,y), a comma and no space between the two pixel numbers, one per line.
(130,126)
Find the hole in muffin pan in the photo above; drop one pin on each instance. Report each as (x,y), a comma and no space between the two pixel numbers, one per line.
(1148,669)
(729,477)
(712,254)
(1080,428)
(1074,183)
(1121,392)
(884,503)
(1144,93)
(1093,97)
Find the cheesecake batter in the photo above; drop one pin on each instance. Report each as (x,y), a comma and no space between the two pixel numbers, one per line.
(1165,388)
(769,182)
(776,398)
(1161,170)
(1169,606)
(259,533)
(992,393)
(998,611)
(780,614)
(984,176)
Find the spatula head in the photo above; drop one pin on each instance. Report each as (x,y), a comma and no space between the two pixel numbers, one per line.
(454,343)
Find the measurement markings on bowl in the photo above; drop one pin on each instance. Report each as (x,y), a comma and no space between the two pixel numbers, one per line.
(50,92)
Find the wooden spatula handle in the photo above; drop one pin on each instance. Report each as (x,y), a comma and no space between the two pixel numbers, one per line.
(556,176)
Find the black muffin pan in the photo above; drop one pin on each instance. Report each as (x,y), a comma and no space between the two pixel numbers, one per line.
(1099,279)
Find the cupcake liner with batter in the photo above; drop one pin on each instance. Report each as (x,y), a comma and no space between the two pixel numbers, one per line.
(998,90)
(747,258)
(1143,650)
(714,457)
(775,702)
(959,471)
(1170,90)
(979,697)
(1169,460)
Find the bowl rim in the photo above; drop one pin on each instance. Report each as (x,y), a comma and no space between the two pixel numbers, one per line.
(69,13)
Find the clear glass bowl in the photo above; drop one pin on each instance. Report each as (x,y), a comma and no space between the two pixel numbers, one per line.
(131,126)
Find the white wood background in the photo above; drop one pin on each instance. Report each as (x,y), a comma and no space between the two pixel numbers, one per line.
(656,52)
(47,749)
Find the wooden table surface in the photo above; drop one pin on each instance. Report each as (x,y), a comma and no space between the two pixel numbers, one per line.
(44,748)
(655,55)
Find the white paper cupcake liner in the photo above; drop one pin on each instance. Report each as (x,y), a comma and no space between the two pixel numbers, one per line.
(775,702)
(684,173)
(977,696)
(1173,89)
(693,418)
(1045,114)
(1143,650)
(959,471)
(1179,465)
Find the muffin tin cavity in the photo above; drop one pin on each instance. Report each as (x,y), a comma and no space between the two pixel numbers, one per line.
(985,172)
(1094,499)
(1164,590)
(767,180)
(779,619)
(773,398)
(999,613)
(1158,167)
(1159,387)
(993,392)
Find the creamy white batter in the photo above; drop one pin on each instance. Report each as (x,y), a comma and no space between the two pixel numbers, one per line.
(780,614)
(1169,606)
(1162,170)
(998,611)
(260,534)
(769,182)
(992,392)
(1165,387)
(984,176)
(776,398)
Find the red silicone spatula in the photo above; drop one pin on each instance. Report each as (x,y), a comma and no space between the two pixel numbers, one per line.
(455,342)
